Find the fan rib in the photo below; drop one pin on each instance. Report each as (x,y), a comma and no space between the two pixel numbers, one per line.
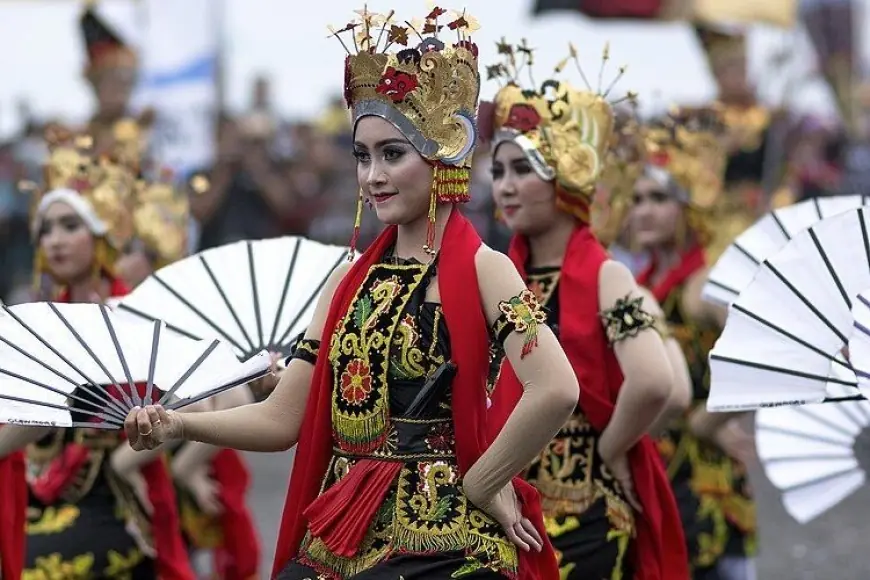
(314,295)
(778,222)
(792,337)
(90,352)
(149,318)
(121,358)
(97,393)
(130,386)
(848,410)
(191,400)
(15,399)
(796,458)
(230,340)
(152,363)
(255,294)
(830,268)
(779,370)
(284,290)
(818,207)
(722,286)
(809,304)
(70,380)
(227,303)
(746,253)
(823,421)
(196,364)
(803,435)
(56,391)
(864,236)
(844,399)
(809,483)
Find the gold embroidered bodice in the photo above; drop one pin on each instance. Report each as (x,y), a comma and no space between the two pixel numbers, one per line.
(716,486)
(391,400)
(569,473)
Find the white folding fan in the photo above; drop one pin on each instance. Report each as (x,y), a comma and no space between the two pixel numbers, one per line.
(72,365)
(816,455)
(736,267)
(787,326)
(253,295)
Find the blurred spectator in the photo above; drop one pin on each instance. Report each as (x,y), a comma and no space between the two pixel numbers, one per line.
(249,197)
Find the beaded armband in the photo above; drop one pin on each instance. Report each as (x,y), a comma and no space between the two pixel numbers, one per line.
(522,314)
(626,319)
(307,349)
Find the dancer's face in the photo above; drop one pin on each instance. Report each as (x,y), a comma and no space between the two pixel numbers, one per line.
(655,215)
(393,176)
(526,202)
(67,243)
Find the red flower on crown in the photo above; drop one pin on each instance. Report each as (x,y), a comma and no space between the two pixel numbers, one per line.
(396,84)
(523,117)
(469,46)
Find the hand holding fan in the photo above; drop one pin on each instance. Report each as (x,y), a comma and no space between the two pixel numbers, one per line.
(79,365)
(735,269)
(786,328)
(252,295)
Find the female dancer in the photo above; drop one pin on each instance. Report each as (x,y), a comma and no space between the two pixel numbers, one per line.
(547,158)
(393,476)
(97,509)
(682,176)
(212,483)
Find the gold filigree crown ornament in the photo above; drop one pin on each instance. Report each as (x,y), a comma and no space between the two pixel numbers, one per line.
(564,132)
(623,165)
(428,89)
(684,152)
(161,216)
(97,189)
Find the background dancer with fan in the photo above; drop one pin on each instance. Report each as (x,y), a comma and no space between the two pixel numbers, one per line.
(83,476)
(390,414)
(679,184)
(212,483)
(546,166)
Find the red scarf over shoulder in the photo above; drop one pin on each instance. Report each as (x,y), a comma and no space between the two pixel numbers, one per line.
(172,559)
(13,515)
(660,549)
(469,339)
(691,261)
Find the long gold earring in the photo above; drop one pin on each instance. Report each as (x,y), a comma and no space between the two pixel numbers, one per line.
(357,222)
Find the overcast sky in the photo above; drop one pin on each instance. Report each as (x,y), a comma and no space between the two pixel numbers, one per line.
(41,55)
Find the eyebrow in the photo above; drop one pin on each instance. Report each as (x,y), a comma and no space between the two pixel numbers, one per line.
(383,143)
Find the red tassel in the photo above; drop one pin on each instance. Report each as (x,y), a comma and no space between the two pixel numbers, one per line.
(341,516)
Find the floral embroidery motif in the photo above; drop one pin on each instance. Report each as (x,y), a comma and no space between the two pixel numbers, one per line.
(626,319)
(53,566)
(356,382)
(440,438)
(525,314)
(396,85)
(54,520)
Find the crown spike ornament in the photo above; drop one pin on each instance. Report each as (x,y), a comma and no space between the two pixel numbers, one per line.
(428,91)
(564,132)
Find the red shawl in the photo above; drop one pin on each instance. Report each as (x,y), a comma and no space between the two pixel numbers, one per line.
(13,515)
(238,556)
(691,261)
(466,323)
(660,550)
(172,559)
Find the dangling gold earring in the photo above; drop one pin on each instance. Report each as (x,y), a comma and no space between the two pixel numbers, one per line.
(357,221)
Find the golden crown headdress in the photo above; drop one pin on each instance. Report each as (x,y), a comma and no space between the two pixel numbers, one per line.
(624,164)
(564,132)
(161,216)
(688,145)
(428,89)
(99,189)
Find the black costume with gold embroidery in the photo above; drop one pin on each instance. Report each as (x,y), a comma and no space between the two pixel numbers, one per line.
(391,361)
(96,528)
(712,489)
(587,518)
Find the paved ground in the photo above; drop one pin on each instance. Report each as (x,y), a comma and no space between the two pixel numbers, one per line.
(834,547)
